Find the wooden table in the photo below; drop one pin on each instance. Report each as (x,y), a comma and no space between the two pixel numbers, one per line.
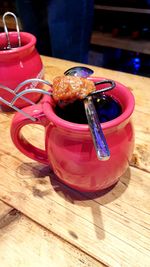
(44,223)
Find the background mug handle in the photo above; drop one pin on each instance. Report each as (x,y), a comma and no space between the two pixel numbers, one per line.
(18,122)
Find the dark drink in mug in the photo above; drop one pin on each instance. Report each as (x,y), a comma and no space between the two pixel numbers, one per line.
(107,107)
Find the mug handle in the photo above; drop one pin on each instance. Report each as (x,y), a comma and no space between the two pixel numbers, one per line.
(20,141)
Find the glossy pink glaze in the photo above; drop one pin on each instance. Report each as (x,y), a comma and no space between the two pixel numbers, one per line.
(69,147)
(19,64)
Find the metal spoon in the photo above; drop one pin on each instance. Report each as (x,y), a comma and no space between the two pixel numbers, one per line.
(100,144)
(6,30)
(79,71)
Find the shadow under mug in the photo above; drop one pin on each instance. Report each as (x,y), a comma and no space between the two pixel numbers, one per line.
(69,148)
(19,64)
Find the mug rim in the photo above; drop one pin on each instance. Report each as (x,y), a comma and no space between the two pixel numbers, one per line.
(48,108)
(32,41)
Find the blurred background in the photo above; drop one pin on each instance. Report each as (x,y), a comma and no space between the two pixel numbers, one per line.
(120,35)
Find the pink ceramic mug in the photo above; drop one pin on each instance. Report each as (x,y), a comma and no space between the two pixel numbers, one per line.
(69,148)
(19,64)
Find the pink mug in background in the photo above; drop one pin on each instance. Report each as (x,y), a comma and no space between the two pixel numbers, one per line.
(69,148)
(18,64)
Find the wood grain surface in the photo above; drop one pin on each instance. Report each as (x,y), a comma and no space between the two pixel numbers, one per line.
(112,228)
(25,243)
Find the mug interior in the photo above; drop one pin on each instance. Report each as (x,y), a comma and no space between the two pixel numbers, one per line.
(120,93)
(27,40)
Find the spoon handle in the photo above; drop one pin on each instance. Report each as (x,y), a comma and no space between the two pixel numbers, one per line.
(98,137)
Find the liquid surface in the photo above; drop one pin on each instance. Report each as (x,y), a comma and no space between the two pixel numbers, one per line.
(107,109)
